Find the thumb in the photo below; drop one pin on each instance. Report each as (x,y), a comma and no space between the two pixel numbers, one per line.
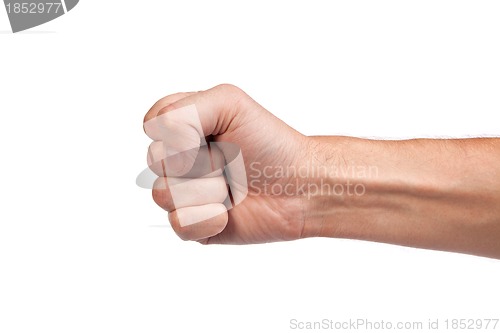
(217,107)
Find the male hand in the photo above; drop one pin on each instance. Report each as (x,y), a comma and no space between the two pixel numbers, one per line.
(227,115)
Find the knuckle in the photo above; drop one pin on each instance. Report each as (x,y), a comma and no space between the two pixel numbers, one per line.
(155,156)
(162,195)
(227,88)
(167,108)
(174,221)
(162,102)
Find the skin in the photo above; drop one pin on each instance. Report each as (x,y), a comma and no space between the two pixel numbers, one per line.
(435,194)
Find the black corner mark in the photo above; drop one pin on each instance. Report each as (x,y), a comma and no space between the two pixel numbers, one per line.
(26,14)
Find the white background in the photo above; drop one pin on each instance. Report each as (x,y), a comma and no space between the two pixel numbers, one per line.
(80,246)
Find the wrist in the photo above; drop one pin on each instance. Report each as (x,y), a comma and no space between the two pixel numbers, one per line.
(343,183)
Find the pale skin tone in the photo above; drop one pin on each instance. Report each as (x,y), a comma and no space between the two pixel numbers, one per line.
(435,194)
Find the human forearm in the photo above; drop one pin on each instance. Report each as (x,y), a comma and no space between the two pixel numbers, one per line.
(438,194)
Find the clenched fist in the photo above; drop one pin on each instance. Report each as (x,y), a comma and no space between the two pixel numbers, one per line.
(230,172)
(208,148)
